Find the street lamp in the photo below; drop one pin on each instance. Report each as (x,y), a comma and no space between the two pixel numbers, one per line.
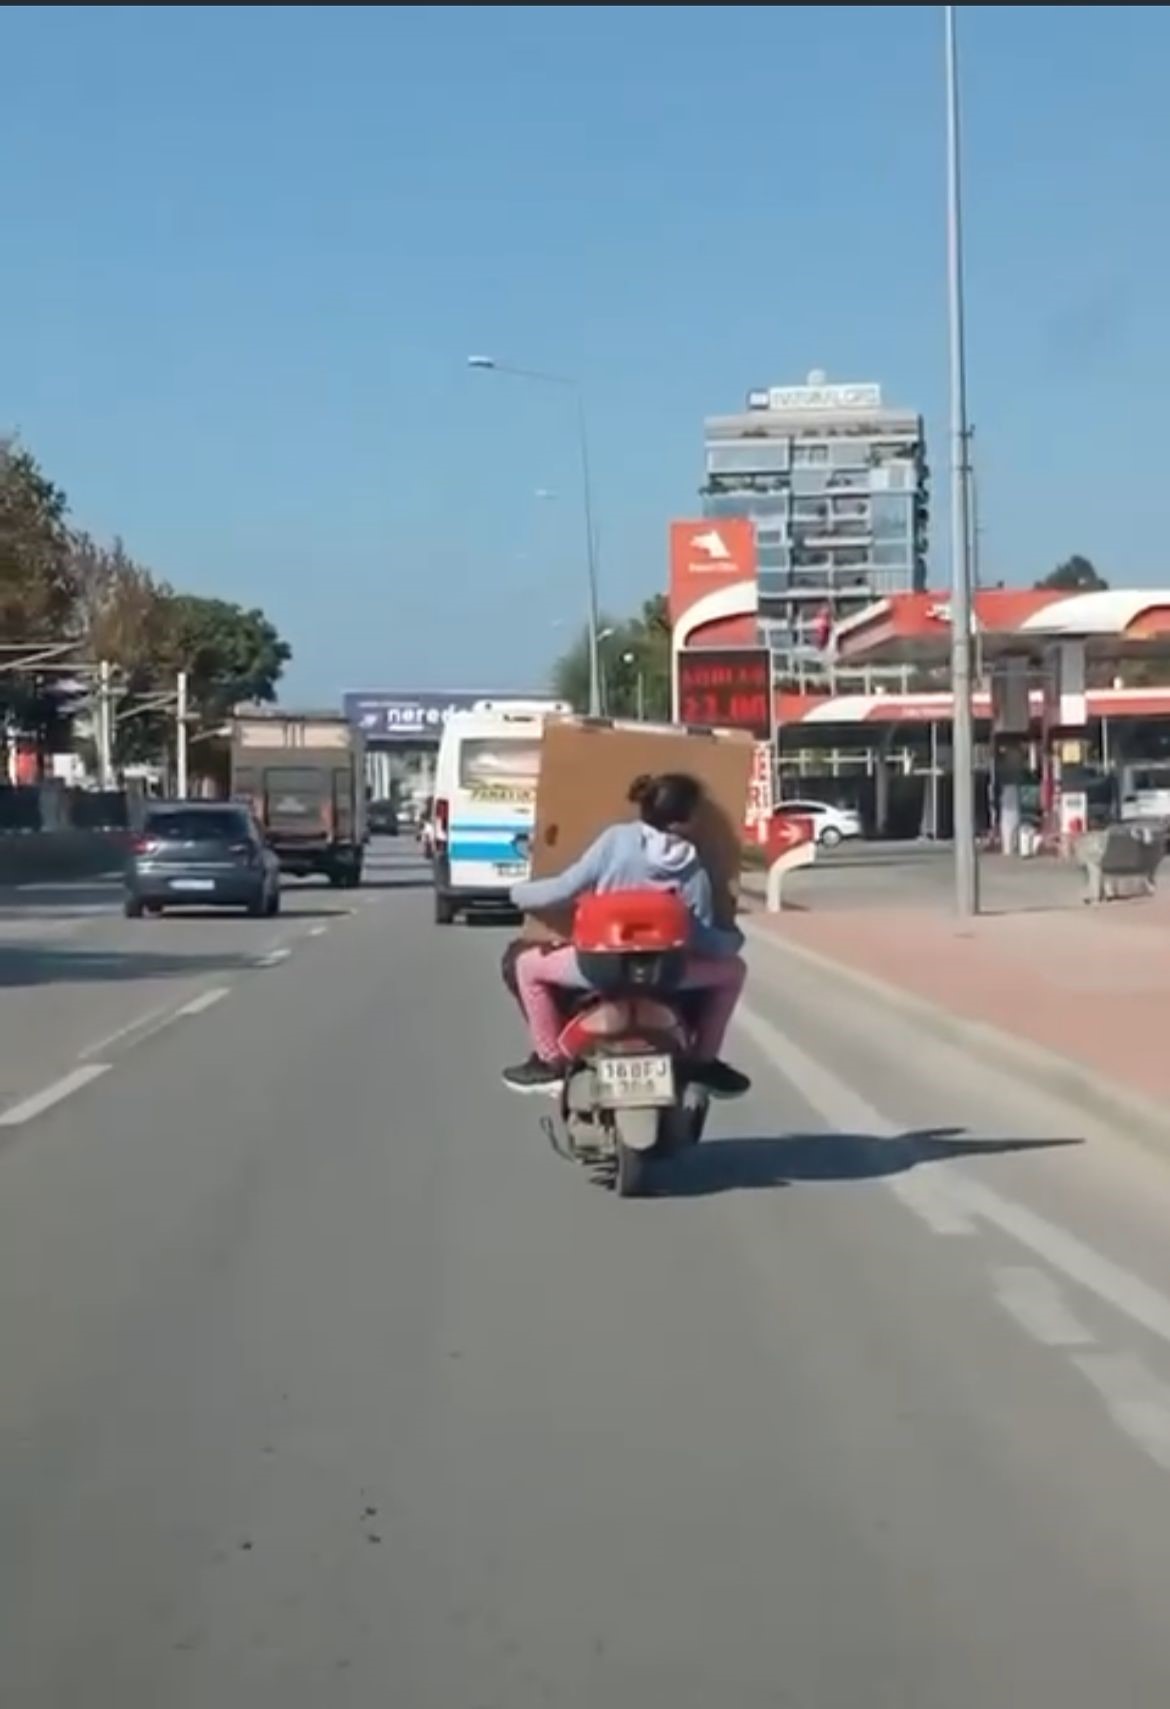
(490,365)
(632,659)
(963,738)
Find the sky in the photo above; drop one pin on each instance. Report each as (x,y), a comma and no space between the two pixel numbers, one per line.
(247,251)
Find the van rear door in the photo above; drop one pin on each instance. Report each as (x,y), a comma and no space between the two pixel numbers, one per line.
(493,807)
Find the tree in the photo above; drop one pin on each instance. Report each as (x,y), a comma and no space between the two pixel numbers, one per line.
(124,616)
(1074,575)
(635,665)
(230,654)
(36,586)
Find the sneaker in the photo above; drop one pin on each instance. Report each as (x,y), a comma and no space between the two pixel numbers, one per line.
(535,1075)
(720,1079)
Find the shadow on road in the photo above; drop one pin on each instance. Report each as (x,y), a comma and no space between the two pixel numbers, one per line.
(733,1165)
(58,900)
(177,913)
(26,964)
(396,880)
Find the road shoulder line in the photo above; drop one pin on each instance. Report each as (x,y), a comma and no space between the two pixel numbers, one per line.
(1083,1089)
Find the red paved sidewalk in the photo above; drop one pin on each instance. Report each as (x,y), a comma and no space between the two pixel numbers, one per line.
(1092,985)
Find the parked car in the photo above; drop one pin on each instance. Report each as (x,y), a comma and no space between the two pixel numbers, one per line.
(201,854)
(424,830)
(831,825)
(382,819)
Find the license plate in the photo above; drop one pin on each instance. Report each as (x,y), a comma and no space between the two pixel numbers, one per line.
(200,884)
(510,869)
(638,1080)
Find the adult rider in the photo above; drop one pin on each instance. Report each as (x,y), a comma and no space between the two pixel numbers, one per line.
(655,851)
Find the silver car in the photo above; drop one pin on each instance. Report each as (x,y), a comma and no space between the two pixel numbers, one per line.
(201,854)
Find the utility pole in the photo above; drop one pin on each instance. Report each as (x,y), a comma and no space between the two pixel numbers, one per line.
(963,741)
(181,737)
(105,727)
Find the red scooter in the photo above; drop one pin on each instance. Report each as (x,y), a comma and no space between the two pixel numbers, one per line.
(627,1099)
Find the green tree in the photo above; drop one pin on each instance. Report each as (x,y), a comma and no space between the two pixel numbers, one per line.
(36,583)
(36,587)
(1075,575)
(231,654)
(635,665)
(124,616)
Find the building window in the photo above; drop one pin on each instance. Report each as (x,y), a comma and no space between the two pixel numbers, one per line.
(891,516)
(747,456)
(810,455)
(806,481)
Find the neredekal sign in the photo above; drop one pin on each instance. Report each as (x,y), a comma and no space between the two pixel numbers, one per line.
(419,717)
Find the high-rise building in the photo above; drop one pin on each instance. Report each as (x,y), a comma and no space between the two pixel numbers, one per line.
(837,486)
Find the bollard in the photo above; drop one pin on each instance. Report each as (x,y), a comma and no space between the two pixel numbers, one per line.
(791,844)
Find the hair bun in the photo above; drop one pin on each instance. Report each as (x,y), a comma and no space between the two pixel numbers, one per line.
(641,789)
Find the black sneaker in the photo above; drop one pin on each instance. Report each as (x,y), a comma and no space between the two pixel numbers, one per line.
(535,1075)
(720,1079)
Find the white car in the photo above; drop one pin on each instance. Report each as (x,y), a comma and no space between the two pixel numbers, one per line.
(831,825)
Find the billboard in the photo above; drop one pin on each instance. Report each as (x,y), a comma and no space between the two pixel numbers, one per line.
(727,686)
(406,717)
(708,559)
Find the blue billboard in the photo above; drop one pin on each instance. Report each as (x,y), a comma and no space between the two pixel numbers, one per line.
(393,717)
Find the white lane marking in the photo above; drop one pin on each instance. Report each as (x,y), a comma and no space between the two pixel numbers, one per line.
(940,1208)
(272,958)
(162,1013)
(937,1198)
(205,1000)
(1078,1262)
(1034,1300)
(317,931)
(1138,1403)
(54,1094)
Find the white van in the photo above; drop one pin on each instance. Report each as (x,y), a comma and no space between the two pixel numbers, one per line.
(485,802)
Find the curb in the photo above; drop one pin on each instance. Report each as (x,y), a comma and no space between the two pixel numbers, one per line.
(1041,1069)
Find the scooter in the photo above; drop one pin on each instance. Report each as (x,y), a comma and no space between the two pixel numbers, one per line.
(627,1101)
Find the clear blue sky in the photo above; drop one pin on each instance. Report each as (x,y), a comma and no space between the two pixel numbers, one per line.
(246,251)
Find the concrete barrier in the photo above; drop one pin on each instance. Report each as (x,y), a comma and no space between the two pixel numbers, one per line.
(30,857)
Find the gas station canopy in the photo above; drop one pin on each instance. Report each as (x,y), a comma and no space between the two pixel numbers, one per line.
(915,628)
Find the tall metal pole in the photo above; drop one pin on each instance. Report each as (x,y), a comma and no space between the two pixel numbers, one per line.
(105,727)
(596,703)
(181,737)
(963,741)
(490,365)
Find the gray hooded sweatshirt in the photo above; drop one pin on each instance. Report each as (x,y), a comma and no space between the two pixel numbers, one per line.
(635,856)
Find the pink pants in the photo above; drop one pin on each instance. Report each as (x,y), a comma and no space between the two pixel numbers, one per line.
(540,976)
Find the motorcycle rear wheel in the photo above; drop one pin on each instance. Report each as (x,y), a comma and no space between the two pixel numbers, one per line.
(635,1161)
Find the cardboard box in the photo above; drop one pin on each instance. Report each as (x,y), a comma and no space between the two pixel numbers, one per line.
(586,769)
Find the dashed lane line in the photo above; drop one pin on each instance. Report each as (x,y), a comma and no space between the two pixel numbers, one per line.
(56,1093)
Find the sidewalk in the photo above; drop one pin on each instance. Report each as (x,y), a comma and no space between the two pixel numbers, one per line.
(1091,986)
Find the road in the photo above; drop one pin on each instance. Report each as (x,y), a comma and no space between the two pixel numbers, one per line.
(324,1382)
(921,875)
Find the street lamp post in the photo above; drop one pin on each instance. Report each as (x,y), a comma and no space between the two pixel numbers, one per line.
(490,365)
(639,685)
(963,739)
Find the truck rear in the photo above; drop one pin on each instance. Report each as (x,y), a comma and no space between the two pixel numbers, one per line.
(303,775)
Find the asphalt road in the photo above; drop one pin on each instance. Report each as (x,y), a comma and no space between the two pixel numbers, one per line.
(324,1383)
(921,875)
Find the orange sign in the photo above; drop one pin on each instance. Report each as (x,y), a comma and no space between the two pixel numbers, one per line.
(708,557)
